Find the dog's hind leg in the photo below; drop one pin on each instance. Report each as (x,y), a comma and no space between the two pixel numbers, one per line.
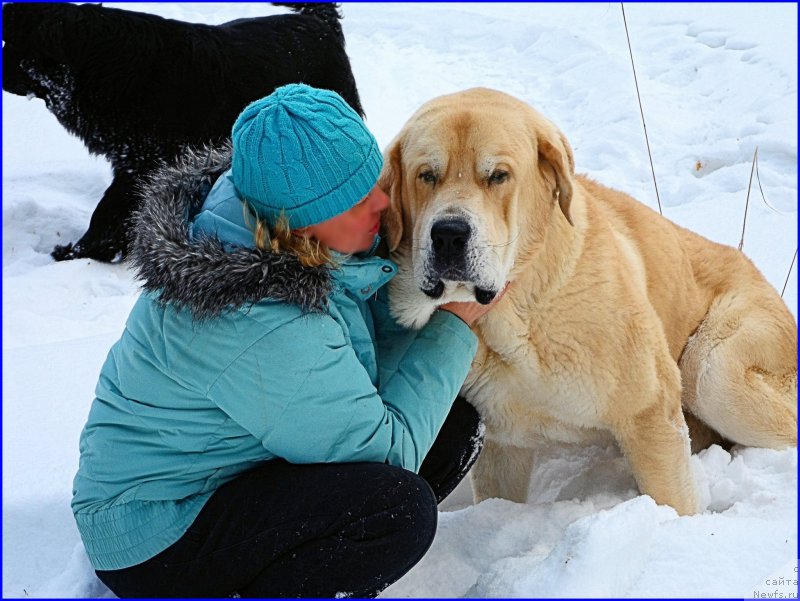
(502,471)
(702,435)
(739,369)
(106,239)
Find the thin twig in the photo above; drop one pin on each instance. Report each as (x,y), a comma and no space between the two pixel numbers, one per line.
(641,110)
(747,201)
(763,197)
(790,272)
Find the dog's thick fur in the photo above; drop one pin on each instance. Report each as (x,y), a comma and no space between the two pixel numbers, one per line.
(617,322)
(139,89)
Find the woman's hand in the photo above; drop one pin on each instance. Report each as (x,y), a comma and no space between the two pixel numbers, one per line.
(472,312)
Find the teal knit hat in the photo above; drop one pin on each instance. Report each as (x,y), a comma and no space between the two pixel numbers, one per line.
(303,152)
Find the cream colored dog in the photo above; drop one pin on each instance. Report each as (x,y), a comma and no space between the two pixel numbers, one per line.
(617,322)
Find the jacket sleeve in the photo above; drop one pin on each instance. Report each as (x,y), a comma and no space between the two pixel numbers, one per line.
(303,392)
(431,363)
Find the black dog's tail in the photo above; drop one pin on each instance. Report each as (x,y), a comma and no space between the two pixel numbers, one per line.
(324,11)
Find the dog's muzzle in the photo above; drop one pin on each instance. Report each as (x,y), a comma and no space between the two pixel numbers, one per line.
(450,240)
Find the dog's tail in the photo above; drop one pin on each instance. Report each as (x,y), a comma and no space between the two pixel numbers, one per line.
(324,11)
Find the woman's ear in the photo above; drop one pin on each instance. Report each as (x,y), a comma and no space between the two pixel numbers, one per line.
(391,182)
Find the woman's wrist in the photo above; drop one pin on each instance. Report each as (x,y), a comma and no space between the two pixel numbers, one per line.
(445,309)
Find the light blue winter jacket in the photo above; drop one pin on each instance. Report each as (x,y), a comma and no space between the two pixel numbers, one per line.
(233,356)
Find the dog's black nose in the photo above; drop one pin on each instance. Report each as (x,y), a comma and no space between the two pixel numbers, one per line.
(450,238)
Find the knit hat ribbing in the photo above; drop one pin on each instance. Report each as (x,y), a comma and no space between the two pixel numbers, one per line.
(303,152)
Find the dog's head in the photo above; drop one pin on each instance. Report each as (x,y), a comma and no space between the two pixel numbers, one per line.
(475,178)
(33,46)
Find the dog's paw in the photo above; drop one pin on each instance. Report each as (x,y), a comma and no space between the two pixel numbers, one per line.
(103,253)
(63,252)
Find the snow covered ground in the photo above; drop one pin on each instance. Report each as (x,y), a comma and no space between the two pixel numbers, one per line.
(717,81)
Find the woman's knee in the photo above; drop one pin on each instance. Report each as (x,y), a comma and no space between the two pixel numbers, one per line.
(400,490)
(396,504)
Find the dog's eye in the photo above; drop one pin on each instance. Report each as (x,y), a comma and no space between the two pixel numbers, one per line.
(498,177)
(428,177)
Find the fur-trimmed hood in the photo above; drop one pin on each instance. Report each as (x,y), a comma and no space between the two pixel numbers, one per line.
(198,273)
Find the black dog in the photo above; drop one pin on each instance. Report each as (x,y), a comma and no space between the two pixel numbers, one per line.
(138,88)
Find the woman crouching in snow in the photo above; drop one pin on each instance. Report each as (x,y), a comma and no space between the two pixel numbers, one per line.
(263,428)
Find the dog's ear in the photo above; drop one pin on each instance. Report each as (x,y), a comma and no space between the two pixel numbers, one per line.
(391,182)
(554,149)
(22,23)
(37,31)
(9,18)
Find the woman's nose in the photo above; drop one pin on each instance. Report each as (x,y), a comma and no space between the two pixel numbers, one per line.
(380,200)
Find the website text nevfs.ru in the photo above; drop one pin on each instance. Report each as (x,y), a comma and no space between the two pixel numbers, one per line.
(784,588)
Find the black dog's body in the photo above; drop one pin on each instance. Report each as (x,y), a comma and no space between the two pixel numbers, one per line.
(138,88)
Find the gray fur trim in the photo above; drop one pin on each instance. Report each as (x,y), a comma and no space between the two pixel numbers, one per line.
(200,274)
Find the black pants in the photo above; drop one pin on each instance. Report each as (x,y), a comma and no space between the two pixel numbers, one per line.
(321,530)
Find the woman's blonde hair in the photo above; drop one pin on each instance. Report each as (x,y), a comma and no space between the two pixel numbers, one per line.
(279,238)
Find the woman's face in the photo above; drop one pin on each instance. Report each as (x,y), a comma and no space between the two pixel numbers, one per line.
(354,230)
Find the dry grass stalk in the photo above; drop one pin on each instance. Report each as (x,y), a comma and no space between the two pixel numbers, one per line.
(641,110)
(790,272)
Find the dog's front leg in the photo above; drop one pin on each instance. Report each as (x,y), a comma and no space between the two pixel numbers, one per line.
(107,236)
(656,443)
(502,471)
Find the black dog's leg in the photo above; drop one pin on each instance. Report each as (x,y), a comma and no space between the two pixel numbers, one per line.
(106,239)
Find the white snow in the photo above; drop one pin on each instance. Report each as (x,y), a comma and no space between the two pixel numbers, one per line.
(717,81)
